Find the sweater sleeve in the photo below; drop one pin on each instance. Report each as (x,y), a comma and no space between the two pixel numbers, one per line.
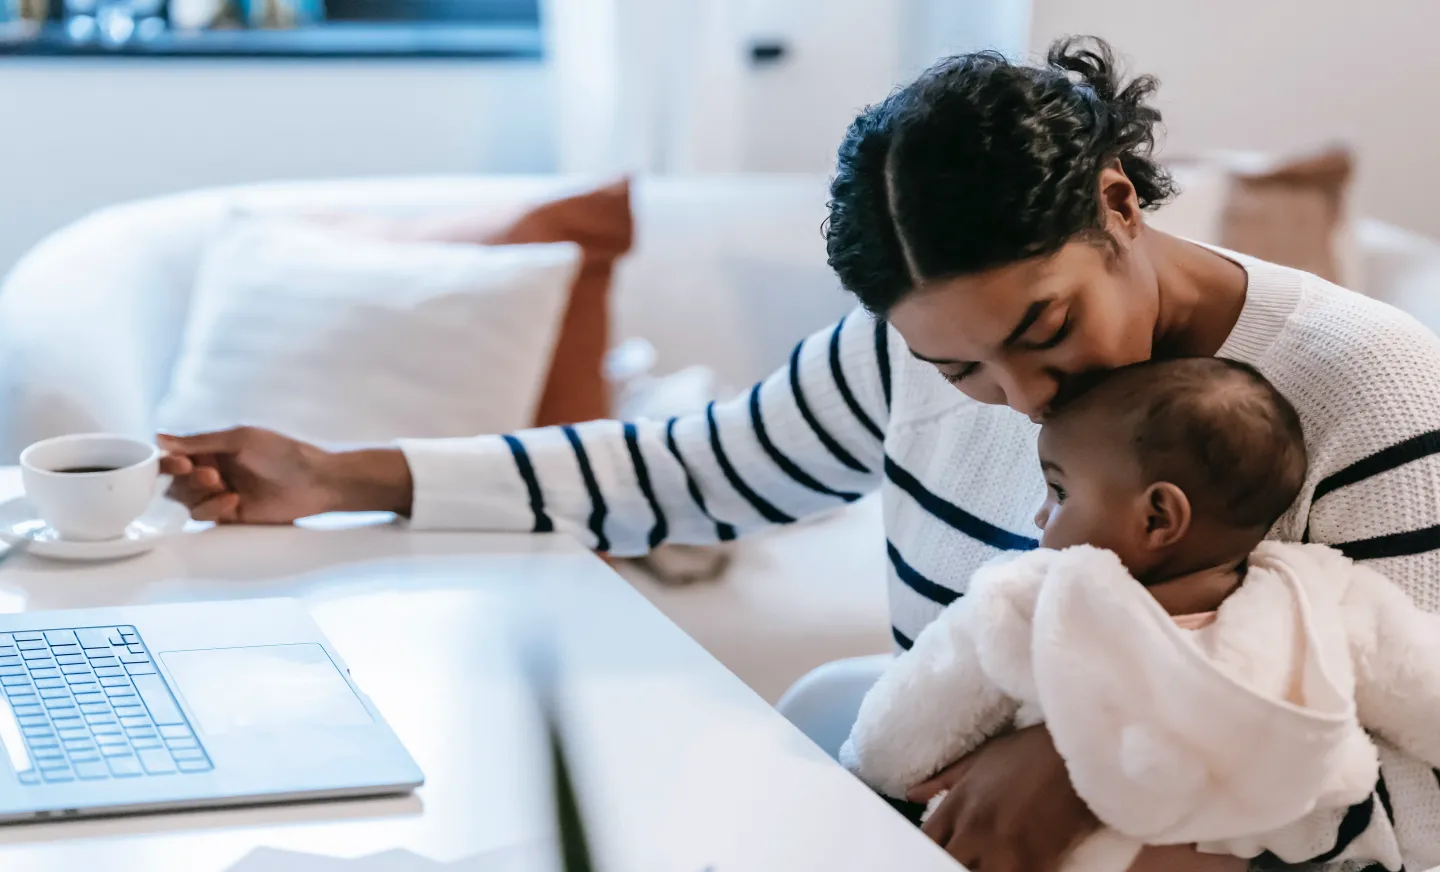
(808,438)
(1377,454)
(1377,500)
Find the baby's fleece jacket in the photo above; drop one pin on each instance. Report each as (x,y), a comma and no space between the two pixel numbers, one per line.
(1245,736)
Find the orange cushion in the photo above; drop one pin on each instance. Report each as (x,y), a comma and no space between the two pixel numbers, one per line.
(601,222)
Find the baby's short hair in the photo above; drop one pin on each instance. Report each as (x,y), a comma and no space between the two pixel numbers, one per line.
(1215,428)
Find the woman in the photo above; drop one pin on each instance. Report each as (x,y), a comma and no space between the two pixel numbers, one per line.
(989,217)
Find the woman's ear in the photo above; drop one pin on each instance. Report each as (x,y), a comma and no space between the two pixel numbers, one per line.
(1121,203)
(1167,515)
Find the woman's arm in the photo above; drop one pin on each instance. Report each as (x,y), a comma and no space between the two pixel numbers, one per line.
(1377,500)
(808,438)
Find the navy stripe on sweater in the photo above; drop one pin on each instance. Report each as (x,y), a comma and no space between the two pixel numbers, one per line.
(757,422)
(1382,791)
(837,372)
(661,529)
(1405,544)
(543,524)
(832,446)
(915,581)
(724,532)
(1395,456)
(954,516)
(1352,826)
(592,487)
(882,356)
(904,641)
(761,505)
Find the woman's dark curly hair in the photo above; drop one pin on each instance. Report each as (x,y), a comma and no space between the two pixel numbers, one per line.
(982,162)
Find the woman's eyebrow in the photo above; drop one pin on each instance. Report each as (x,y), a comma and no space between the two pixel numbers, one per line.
(938,361)
(1032,315)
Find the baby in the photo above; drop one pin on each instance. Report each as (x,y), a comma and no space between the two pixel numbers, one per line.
(1203,685)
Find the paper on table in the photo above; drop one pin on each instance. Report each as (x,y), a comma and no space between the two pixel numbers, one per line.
(276,860)
(396,860)
(532,857)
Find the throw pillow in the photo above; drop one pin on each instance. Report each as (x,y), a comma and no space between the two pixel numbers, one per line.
(339,338)
(600,221)
(1287,209)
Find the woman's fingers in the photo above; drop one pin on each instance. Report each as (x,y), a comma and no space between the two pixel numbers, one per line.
(219,442)
(201,484)
(1184,858)
(943,780)
(222,509)
(944,828)
(175,464)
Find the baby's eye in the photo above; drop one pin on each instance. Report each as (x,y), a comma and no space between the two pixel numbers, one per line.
(1059,493)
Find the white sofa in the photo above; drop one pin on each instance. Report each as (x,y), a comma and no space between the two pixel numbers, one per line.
(728,271)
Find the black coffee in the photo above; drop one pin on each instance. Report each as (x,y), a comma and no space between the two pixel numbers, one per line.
(79,469)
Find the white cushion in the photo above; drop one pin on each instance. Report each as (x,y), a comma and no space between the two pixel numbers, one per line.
(336,337)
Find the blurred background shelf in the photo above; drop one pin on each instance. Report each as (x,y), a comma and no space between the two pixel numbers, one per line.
(342,40)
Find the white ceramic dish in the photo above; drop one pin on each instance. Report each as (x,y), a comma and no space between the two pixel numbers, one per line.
(21,527)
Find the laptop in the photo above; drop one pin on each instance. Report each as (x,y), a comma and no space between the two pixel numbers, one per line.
(197,705)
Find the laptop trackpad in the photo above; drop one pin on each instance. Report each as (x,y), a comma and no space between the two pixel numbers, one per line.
(267,688)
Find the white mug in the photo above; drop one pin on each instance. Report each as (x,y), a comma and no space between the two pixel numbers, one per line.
(90,486)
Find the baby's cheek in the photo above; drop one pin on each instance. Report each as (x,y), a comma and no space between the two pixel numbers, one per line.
(1054,532)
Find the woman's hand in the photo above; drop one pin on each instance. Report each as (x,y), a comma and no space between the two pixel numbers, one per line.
(1184,858)
(253,476)
(1010,807)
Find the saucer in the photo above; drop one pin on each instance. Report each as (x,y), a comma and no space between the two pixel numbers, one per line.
(21,528)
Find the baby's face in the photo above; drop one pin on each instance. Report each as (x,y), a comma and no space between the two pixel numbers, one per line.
(1094,493)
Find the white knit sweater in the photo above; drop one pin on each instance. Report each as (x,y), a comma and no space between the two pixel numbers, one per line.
(853,411)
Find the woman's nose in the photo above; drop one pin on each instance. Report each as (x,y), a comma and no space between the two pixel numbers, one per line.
(1042,517)
(1028,392)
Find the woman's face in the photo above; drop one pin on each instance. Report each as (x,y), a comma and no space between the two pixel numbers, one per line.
(1013,334)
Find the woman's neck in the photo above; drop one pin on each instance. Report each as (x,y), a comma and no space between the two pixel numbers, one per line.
(1201,296)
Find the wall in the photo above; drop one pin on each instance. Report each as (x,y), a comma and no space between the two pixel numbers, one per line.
(1283,74)
(669,85)
(846,54)
(81,134)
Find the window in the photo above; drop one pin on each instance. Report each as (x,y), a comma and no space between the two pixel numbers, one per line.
(493,29)
(450,11)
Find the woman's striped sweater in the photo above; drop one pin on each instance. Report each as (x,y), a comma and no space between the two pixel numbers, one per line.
(852,411)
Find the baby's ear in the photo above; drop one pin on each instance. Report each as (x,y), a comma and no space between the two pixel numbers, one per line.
(1167,515)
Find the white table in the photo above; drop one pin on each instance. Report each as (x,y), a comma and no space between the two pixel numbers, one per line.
(681,767)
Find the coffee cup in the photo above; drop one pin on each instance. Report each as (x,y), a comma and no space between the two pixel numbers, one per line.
(89,487)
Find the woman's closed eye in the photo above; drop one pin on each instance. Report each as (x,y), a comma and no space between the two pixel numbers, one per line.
(1056,335)
(1050,333)
(1058,492)
(961,374)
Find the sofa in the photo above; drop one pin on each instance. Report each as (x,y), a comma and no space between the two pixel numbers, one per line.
(728,272)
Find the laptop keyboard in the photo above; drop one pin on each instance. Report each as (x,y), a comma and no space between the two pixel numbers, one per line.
(90,705)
